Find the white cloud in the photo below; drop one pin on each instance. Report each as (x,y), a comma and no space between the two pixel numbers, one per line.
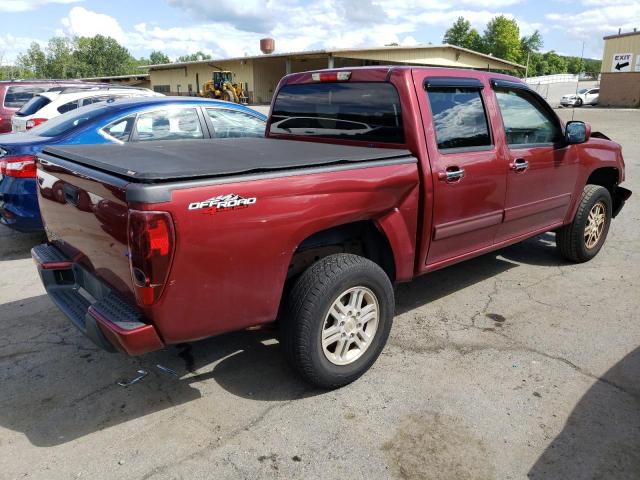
(26,5)
(86,23)
(591,24)
(11,46)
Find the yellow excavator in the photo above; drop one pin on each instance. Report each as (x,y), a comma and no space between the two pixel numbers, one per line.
(221,87)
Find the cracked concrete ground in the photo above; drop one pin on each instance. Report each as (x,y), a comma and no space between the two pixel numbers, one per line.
(510,365)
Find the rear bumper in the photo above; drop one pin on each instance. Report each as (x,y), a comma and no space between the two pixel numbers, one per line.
(94,308)
(19,205)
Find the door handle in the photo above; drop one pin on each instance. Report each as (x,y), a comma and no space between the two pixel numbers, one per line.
(451,174)
(520,165)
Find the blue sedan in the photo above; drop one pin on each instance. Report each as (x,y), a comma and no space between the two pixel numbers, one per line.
(117,122)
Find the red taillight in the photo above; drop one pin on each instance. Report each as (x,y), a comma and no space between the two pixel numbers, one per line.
(34,122)
(151,245)
(19,166)
(331,76)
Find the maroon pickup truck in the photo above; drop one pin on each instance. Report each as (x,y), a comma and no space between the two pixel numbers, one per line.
(366,177)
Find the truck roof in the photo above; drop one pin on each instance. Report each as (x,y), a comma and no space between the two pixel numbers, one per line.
(164,161)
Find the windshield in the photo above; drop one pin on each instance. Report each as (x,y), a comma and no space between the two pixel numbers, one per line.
(68,121)
(582,90)
(351,111)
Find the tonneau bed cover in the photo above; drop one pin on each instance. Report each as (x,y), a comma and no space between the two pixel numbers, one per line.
(164,161)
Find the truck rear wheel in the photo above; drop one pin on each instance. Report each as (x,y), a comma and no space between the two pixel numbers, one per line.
(583,238)
(337,319)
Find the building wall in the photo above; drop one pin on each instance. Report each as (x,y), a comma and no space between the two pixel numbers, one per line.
(446,57)
(125,82)
(263,73)
(178,79)
(267,73)
(620,89)
(622,44)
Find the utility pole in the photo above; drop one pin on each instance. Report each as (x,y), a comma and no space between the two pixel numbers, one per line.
(526,70)
(578,80)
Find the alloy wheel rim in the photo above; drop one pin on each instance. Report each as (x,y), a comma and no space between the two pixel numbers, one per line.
(350,326)
(595,225)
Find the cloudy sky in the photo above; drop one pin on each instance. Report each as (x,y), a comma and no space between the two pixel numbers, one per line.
(233,28)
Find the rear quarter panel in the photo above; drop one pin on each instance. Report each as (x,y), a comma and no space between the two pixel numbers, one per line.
(230,266)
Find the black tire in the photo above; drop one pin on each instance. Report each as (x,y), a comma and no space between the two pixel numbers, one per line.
(570,239)
(306,308)
(579,102)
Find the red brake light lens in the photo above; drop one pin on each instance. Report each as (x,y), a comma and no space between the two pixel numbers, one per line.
(34,122)
(331,76)
(151,247)
(19,166)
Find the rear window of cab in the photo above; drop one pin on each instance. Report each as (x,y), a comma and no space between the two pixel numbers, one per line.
(365,111)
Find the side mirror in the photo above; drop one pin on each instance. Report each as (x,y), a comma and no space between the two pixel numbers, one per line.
(577,132)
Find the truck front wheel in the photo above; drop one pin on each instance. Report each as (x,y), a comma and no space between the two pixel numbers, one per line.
(337,319)
(583,238)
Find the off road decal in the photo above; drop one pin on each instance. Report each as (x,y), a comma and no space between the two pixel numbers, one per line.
(223,203)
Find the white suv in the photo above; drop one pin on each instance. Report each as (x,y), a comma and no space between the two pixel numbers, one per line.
(47,105)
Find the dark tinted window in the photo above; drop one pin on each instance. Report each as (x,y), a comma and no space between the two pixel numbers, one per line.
(67,107)
(526,121)
(33,105)
(459,118)
(353,111)
(17,96)
(100,98)
(162,88)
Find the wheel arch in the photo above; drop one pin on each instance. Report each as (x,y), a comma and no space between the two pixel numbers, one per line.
(364,238)
(607,177)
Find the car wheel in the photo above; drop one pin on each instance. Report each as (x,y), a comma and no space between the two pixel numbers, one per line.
(578,102)
(336,319)
(583,238)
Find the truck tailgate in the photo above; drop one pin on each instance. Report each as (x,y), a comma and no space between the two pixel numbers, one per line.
(85,216)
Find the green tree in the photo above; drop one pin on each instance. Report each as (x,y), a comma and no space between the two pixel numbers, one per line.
(60,60)
(156,58)
(33,63)
(575,65)
(555,63)
(194,57)
(592,67)
(462,35)
(530,44)
(502,39)
(100,55)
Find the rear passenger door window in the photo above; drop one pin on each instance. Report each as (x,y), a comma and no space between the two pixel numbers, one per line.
(67,107)
(170,124)
(459,118)
(90,100)
(526,121)
(232,123)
